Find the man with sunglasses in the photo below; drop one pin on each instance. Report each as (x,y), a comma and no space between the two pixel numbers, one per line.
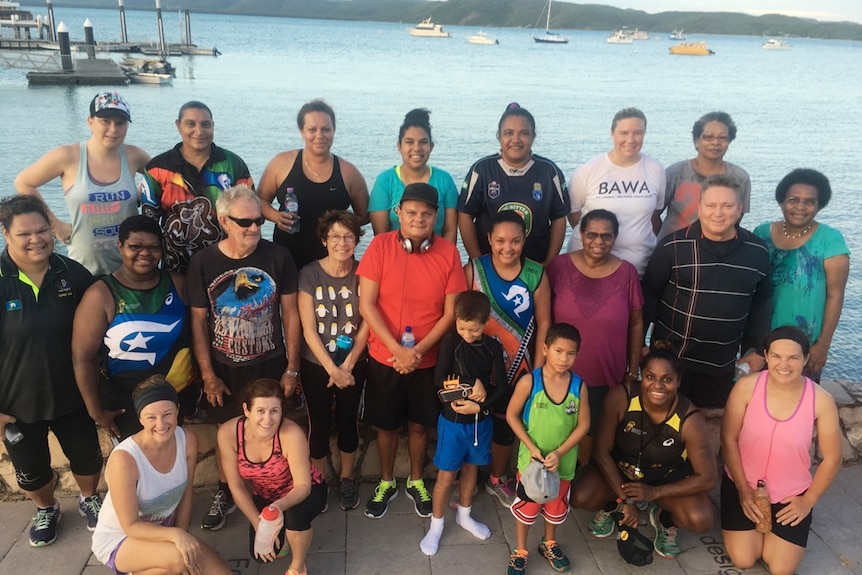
(245,324)
(181,186)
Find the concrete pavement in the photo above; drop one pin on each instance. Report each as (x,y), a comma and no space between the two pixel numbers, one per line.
(350,543)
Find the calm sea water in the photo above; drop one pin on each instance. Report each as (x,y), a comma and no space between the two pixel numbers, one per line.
(791,107)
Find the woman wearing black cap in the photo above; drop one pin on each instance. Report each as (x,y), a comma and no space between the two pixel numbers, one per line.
(98,181)
(144,521)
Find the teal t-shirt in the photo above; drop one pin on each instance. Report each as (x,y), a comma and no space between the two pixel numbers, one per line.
(799,278)
(388,187)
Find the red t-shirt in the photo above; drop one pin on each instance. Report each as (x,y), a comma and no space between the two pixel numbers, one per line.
(413,288)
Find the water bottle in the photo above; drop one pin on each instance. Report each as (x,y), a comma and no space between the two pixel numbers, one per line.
(742,368)
(761,499)
(13,434)
(271,520)
(291,206)
(343,345)
(407,338)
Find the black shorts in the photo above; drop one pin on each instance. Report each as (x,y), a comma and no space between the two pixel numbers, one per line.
(733,518)
(503,434)
(236,376)
(597,395)
(706,390)
(75,432)
(391,399)
(296,518)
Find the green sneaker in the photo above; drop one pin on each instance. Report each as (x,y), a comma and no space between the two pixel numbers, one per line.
(552,552)
(517,563)
(421,497)
(602,524)
(385,492)
(666,543)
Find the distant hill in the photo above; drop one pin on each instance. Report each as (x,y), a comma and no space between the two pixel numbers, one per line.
(507,13)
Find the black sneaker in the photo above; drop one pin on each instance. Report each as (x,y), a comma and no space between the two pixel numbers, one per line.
(348,497)
(421,497)
(221,507)
(44,529)
(385,492)
(89,507)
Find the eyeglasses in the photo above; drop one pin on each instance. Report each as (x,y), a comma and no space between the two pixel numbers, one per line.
(247,222)
(807,202)
(138,248)
(711,138)
(606,237)
(346,238)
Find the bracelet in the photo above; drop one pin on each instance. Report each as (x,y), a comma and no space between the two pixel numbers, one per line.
(292,373)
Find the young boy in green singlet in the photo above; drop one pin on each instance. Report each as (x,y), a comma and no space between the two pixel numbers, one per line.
(549,412)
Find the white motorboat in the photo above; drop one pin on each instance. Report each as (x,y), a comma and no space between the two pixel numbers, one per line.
(550,37)
(428,29)
(482,38)
(776,44)
(620,37)
(149,78)
(677,35)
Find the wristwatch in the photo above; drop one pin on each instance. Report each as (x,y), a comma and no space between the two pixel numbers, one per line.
(292,373)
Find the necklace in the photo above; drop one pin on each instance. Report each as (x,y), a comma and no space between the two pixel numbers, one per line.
(312,170)
(638,471)
(797,235)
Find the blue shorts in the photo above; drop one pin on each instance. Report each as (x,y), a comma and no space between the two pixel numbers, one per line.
(459,443)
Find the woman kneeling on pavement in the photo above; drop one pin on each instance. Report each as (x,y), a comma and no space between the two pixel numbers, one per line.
(271,454)
(652,446)
(143,525)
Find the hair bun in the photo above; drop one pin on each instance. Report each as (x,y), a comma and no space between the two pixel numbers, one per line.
(513,106)
(420,115)
(662,345)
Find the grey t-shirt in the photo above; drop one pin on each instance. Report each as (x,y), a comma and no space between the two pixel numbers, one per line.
(682,194)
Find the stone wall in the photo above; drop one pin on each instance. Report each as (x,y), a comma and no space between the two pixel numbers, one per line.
(847,396)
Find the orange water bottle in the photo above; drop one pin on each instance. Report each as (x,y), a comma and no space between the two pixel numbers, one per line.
(761,499)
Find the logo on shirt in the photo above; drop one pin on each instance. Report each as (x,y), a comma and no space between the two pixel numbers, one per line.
(127,342)
(668,442)
(13,305)
(537,192)
(522,210)
(494,190)
(571,409)
(64,290)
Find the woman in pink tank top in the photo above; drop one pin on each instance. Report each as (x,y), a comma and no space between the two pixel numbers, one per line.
(766,434)
(271,454)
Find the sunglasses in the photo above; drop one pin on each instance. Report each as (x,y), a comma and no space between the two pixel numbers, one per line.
(247,222)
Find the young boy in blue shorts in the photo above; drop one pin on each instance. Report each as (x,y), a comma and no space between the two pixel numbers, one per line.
(549,412)
(463,428)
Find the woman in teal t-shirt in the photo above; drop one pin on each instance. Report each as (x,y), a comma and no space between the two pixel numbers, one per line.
(415,145)
(810,263)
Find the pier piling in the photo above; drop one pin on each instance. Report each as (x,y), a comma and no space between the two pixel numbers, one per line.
(124,36)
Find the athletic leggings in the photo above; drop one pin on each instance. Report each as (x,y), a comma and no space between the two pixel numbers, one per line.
(320,401)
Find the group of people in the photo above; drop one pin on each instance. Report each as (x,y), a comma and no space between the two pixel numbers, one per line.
(185,307)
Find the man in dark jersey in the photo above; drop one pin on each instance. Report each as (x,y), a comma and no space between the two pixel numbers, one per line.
(181,186)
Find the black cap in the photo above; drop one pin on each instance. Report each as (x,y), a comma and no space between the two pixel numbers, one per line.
(422,192)
(635,547)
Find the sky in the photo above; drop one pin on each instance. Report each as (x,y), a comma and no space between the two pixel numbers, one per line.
(818,9)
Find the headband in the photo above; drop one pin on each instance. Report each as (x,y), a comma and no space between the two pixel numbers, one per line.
(156,393)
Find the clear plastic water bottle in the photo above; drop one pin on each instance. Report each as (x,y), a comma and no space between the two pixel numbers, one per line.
(291,206)
(271,521)
(343,345)
(408,339)
(742,368)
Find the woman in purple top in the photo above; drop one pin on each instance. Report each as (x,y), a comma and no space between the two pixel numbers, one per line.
(599,294)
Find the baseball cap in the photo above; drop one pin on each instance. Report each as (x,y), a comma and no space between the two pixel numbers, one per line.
(539,484)
(635,547)
(110,104)
(422,192)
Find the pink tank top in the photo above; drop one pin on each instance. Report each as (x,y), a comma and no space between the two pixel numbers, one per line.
(270,479)
(778,451)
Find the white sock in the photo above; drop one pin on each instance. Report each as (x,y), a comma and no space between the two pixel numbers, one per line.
(465,520)
(431,541)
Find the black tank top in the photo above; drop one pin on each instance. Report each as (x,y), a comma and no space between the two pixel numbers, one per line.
(655,450)
(315,199)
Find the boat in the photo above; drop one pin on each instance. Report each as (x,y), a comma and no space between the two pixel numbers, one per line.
(640,35)
(776,44)
(149,78)
(550,37)
(482,38)
(691,49)
(8,10)
(620,37)
(677,35)
(147,66)
(428,29)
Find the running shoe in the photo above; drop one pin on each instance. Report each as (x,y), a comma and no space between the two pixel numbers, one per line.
(44,529)
(385,492)
(89,507)
(348,497)
(421,497)
(602,525)
(517,562)
(221,507)
(552,552)
(665,542)
(455,498)
(503,490)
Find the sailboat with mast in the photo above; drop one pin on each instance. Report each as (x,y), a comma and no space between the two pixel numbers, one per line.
(550,37)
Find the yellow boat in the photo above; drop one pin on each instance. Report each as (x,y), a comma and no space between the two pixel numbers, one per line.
(691,49)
